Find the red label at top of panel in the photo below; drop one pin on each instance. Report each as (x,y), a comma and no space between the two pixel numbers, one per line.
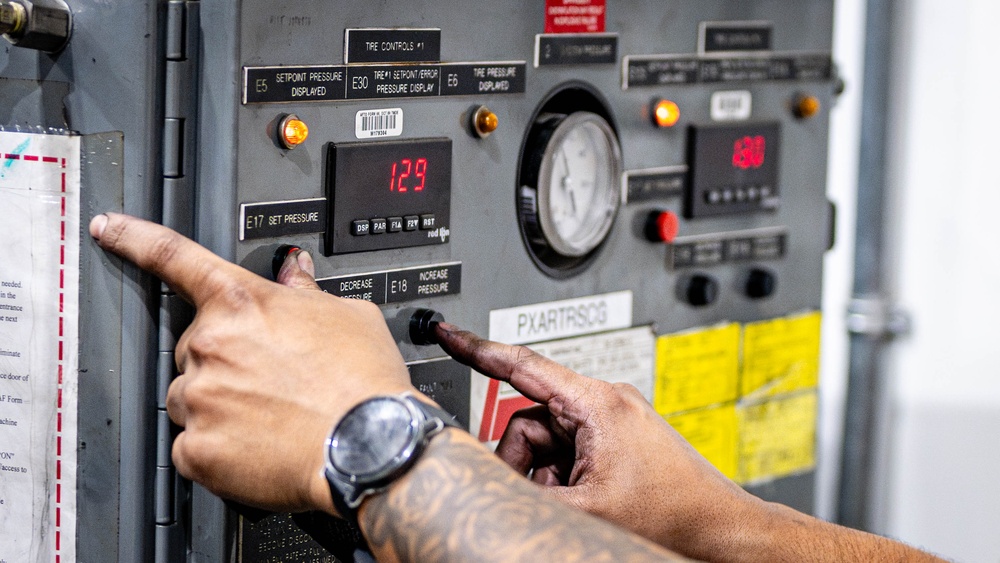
(574,16)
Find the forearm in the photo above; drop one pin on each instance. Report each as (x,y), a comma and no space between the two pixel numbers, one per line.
(459,502)
(773,532)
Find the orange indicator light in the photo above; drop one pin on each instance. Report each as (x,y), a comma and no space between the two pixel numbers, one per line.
(292,131)
(666,113)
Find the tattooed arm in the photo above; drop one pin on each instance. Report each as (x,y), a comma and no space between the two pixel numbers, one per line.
(461,503)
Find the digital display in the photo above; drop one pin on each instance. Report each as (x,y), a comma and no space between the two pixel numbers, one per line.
(388,194)
(733,168)
(749,152)
(414,175)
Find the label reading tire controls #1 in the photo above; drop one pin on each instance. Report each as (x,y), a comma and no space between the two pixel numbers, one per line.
(378,123)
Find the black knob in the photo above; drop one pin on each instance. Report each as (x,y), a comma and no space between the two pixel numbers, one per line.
(422,325)
(760,284)
(701,290)
(280,254)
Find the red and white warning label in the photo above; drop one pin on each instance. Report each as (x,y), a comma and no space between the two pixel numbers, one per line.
(574,16)
(621,356)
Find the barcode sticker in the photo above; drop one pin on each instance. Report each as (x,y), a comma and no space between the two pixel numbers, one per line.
(372,123)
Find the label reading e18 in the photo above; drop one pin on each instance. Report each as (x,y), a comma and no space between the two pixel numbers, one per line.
(378,123)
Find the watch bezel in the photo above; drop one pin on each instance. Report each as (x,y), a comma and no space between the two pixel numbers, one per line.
(356,486)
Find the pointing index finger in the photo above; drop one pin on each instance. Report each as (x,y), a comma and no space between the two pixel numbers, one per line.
(536,377)
(187,267)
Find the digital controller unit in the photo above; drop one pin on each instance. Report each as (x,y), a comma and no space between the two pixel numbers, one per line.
(388,194)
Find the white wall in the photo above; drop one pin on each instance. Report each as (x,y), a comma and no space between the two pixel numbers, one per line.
(941,487)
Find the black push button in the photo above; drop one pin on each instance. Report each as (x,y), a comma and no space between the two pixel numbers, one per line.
(360,227)
(701,290)
(379,226)
(426,222)
(279,258)
(760,284)
(422,325)
(411,223)
(395,224)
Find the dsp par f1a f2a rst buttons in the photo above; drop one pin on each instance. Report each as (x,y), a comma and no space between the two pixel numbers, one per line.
(570,189)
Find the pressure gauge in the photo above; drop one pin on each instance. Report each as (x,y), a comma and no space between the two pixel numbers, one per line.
(571,189)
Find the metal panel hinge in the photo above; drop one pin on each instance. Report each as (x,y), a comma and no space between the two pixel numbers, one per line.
(876,317)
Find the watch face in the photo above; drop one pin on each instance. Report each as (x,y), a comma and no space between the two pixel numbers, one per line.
(372,437)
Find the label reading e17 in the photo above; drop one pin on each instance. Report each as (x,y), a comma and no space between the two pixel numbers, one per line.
(378,123)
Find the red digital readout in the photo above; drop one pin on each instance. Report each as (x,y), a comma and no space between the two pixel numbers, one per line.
(408,174)
(748,152)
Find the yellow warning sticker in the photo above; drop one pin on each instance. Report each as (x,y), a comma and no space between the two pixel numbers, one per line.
(777,437)
(780,355)
(696,369)
(713,433)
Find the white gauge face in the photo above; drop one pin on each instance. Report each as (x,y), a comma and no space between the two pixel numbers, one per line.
(579,191)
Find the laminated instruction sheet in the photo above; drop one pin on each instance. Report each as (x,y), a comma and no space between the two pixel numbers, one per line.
(39,304)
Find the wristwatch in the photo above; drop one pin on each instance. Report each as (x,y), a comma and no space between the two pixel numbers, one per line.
(376,443)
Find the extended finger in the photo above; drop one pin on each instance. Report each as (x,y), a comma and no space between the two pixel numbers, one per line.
(187,267)
(536,377)
(298,271)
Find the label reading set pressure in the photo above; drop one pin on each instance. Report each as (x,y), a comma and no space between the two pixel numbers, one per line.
(280,218)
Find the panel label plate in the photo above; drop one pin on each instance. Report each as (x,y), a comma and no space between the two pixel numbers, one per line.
(397,286)
(392,45)
(574,16)
(562,319)
(655,183)
(576,49)
(280,218)
(378,123)
(660,70)
(324,83)
(746,36)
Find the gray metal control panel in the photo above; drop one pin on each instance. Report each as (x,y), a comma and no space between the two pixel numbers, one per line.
(636,189)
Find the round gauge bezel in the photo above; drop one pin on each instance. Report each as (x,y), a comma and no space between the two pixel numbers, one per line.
(607,187)
(563,101)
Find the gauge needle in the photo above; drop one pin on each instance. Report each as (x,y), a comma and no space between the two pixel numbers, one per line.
(568,181)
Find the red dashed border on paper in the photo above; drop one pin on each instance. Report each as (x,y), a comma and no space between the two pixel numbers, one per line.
(60,337)
(59,392)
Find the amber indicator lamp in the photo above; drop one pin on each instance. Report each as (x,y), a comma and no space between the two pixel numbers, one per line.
(666,113)
(292,131)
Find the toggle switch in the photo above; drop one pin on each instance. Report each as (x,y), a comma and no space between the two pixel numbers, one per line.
(280,254)
(422,325)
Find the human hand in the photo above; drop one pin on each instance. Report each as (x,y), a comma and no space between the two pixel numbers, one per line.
(266,368)
(601,447)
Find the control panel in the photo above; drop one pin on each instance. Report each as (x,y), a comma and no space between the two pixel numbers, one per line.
(635,189)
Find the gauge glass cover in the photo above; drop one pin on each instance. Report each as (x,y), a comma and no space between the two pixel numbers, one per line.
(578,188)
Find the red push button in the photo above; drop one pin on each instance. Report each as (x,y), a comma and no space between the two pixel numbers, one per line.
(662,226)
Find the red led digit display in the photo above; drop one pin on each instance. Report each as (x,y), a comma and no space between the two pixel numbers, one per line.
(403,169)
(749,152)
